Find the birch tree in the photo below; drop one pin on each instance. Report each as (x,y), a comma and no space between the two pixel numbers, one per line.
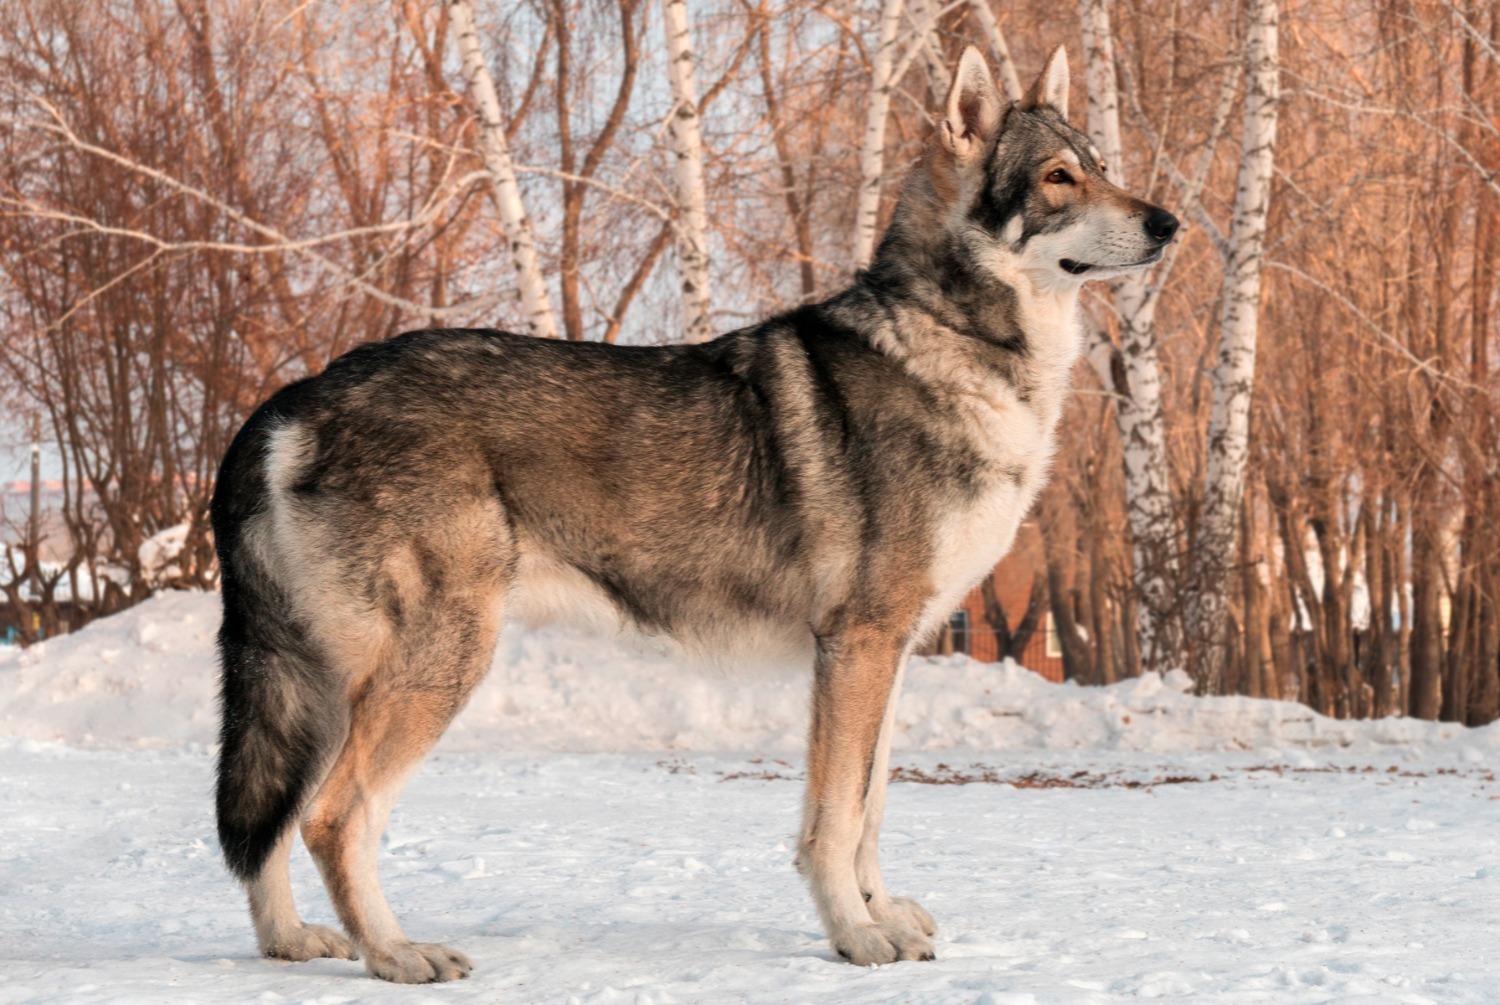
(919,14)
(1132,370)
(1233,375)
(687,149)
(872,151)
(1010,81)
(495,152)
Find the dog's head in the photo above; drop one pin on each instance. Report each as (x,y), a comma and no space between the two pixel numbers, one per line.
(1030,192)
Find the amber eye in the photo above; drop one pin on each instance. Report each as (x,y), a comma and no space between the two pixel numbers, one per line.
(1060,177)
(1103,167)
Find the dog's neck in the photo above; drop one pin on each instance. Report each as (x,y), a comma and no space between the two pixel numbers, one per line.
(961,315)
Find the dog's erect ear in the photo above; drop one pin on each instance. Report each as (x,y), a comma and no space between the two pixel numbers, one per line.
(973,115)
(1051,88)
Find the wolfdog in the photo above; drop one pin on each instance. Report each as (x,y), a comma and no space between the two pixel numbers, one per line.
(832,480)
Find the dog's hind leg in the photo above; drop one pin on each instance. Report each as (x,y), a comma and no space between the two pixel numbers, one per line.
(444,614)
(854,678)
(884,907)
(281,933)
(393,723)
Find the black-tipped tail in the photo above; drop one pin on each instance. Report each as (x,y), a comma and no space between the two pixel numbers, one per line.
(282,716)
(278,733)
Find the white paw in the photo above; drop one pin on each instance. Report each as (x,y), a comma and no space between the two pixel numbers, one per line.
(309,942)
(904,911)
(882,942)
(417,963)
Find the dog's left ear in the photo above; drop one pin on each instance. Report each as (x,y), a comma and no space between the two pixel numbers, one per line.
(1051,88)
(974,108)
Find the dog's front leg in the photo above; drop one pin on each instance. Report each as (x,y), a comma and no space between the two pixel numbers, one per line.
(854,678)
(882,906)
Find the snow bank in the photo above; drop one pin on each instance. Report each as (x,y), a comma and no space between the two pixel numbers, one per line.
(145,678)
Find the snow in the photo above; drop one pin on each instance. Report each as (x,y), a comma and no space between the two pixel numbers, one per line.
(145,678)
(603,826)
(159,553)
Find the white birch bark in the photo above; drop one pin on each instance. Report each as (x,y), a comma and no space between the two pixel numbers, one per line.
(1134,374)
(535,300)
(687,149)
(1233,375)
(1010,81)
(1101,86)
(872,153)
(923,19)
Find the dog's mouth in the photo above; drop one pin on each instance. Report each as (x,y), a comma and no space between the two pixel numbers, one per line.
(1075,268)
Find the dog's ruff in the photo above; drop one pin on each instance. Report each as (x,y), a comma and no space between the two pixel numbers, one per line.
(829,482)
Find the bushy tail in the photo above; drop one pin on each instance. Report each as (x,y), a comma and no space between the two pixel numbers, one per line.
(283,717)
(279,731)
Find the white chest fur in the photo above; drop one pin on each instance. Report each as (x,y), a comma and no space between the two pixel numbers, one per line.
(1012,425)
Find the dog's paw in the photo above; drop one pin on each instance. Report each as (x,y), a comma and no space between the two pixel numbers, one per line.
(904,911)
(417,963)
(309,942)
(882,942)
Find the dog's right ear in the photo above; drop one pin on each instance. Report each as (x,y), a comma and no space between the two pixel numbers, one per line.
(1051,88)
(974,109)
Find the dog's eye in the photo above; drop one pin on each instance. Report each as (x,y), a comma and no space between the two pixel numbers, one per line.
(1103,167)
(1060,177)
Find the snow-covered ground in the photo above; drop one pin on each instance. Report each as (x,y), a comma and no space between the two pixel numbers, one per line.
(601,827)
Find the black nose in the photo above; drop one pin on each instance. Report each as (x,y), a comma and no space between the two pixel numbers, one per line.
(1160,225)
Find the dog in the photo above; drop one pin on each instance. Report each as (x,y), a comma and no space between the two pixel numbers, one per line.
(831,481)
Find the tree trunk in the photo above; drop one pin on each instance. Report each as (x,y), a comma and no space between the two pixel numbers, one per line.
(1134,375)
(1484,705)
(1010,81)
(872,152)
(1463,631)
(496,154)
(1484,500)
(1427,627)
(1078,661)
(1403,578)
(1233,374)
(1100,618)
(687,149)
(1012,643)
(1101,87)
(923,20)
(1255,651)
(1288,672)
(1377,669)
